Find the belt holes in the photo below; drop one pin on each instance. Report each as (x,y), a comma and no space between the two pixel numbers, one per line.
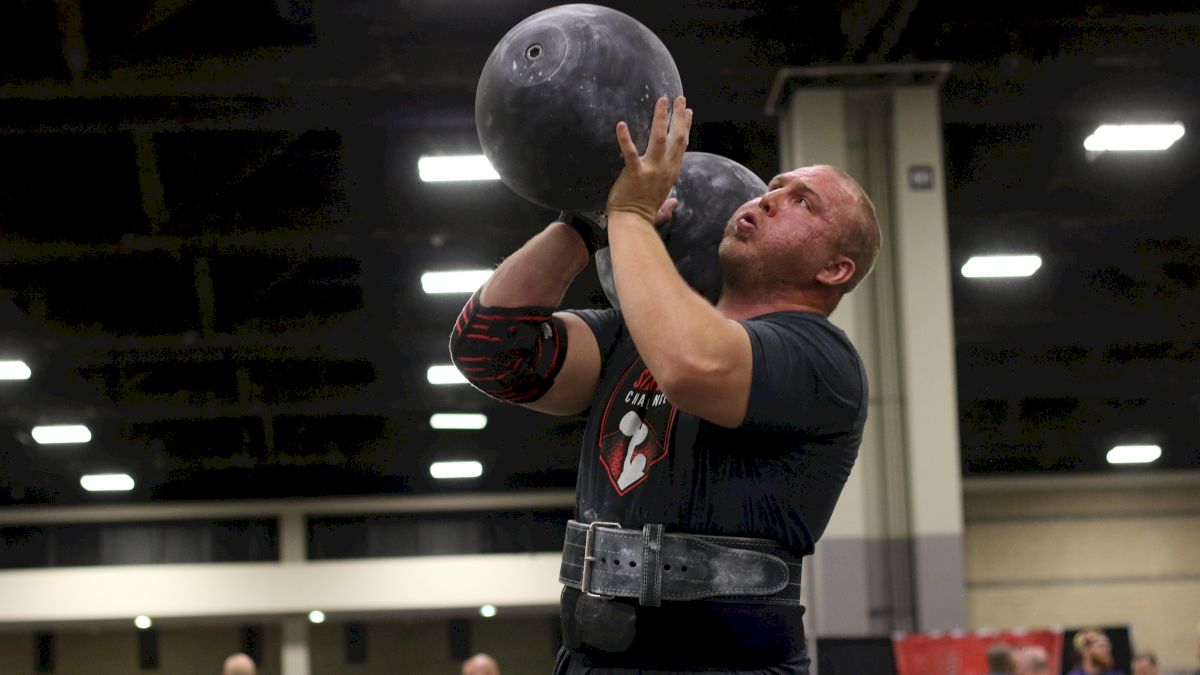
(683,569)
(632,563)
(604,560)
(667,568)
(616,562)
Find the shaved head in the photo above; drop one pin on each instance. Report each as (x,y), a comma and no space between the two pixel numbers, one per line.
(860,236)
(239,664)
(480,664)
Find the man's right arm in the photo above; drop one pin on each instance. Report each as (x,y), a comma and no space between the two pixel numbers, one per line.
(510,344)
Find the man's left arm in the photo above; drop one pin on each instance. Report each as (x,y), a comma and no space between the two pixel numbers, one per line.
(702,360)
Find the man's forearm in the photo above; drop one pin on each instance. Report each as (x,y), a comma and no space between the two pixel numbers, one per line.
(538,273)
(674,327)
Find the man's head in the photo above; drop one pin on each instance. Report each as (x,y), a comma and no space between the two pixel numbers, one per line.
(1094,649)
(239,664)
(480,664)
(814,230)
(1033,660)
(1145,663)
(1000,658)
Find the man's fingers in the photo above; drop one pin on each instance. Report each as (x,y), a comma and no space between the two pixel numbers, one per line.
(665,211)
(658,128)
(681,125)
(628,149)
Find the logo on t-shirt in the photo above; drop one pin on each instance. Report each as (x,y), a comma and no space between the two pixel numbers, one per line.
(635,431)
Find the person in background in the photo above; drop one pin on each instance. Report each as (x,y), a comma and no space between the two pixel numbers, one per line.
(1033,660)
(239,664)
(1145,663)
(480,664)
(1095,654)
(1000,659)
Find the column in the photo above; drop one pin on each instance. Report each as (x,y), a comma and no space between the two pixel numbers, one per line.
(891,558)
(294,657)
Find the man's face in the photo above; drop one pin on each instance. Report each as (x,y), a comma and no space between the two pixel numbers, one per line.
(1098,652)
(790,232)
(1143,666)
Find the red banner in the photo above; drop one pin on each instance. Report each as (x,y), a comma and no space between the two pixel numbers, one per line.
(962,653)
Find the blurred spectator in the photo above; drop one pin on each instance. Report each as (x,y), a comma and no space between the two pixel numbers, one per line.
(1095,654)
(239,664)
(480,664)
(1033,660)
(1145,663)
(1000,659)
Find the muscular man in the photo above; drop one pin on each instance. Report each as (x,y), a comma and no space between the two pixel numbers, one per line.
(718,437)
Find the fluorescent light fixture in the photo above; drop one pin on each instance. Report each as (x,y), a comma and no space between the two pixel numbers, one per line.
(107,482)
(487,611)
(444,470)
(460,281)
(985,266)
(61,433)
(444,375)
(458,420)
(1127,137)
(1134,454)
(455,168)
(143,622)
(316,616)
(14,370)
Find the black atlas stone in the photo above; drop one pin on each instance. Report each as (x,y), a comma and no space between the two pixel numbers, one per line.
(551,94)
(710,188)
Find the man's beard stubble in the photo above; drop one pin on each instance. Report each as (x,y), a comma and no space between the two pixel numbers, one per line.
(1103,661)
(763,276)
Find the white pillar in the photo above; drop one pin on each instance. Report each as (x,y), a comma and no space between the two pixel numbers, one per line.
(294,658)
(293,537)
(891,558)
(927,338)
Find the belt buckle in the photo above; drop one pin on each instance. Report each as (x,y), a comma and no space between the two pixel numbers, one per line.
(588,559)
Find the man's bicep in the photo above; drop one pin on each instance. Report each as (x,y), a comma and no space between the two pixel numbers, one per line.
(576,382)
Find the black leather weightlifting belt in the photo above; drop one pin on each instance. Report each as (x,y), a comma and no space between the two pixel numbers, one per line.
(604,561)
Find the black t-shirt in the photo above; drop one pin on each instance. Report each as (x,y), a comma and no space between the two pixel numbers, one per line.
(777,476)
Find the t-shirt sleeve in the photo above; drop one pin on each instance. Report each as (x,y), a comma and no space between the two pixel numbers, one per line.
(606,326)
(807,376)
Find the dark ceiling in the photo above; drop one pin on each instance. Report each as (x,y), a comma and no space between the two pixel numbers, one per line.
(212,231)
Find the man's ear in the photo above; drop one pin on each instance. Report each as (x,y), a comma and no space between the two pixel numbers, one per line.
(837,271)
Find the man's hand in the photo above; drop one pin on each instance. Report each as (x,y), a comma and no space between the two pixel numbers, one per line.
(646,180)
(665,211)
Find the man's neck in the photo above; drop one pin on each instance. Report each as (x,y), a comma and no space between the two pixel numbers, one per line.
(738,306)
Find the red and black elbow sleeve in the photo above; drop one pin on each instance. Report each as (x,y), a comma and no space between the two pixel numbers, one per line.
(510,353)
